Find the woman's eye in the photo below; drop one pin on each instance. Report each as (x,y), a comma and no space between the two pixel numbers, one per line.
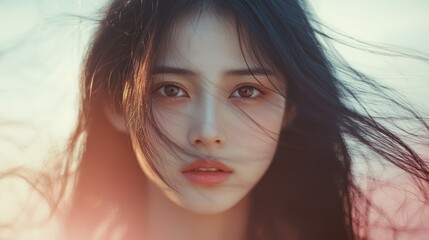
(246,92)
(171,90)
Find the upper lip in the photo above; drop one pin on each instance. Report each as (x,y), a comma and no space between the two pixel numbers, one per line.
(206,164)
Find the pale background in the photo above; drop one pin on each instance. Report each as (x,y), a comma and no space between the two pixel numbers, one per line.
(42,45)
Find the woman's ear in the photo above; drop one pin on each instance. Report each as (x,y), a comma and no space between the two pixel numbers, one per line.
(115,117)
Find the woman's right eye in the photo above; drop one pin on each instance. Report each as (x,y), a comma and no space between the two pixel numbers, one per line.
(171,91)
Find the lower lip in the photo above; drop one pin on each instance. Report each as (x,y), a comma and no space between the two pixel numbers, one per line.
(207,178)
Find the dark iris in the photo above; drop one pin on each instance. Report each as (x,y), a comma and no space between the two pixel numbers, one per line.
(246,92)
(171,90)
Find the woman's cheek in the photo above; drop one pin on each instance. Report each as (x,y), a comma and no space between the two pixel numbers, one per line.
(172,119)
(262,119)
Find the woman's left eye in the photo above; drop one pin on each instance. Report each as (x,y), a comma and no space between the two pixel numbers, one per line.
(246,92)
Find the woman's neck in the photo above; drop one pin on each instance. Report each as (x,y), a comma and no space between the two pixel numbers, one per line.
(166,220)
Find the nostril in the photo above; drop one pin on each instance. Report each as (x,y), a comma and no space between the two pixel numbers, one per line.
(197,142)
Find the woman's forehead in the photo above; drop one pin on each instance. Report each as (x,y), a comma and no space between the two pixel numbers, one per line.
(207,43)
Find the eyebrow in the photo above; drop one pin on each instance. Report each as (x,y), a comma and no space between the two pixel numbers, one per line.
(249,71)
(235,72)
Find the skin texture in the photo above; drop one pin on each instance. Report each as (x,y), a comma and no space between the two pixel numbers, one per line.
(208,115)
(212,107)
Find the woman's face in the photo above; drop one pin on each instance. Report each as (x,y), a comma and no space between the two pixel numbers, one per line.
(206,100)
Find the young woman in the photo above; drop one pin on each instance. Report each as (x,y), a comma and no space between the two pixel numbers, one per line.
(216,119)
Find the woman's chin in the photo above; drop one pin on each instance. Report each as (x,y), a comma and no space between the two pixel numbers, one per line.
(209,204)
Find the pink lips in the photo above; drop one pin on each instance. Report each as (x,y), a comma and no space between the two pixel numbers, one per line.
(207,172)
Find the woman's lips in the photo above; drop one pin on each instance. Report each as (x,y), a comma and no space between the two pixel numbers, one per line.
(203,172)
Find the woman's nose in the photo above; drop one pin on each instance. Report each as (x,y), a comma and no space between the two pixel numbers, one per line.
(207,129)
(207,136)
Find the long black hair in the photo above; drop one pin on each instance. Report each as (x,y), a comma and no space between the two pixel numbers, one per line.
(309,191)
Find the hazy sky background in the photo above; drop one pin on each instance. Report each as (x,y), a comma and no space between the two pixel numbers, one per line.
(42,45)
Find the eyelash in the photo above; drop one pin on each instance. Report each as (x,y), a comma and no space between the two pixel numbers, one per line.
(159,87)
(251,86)
(247,85)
